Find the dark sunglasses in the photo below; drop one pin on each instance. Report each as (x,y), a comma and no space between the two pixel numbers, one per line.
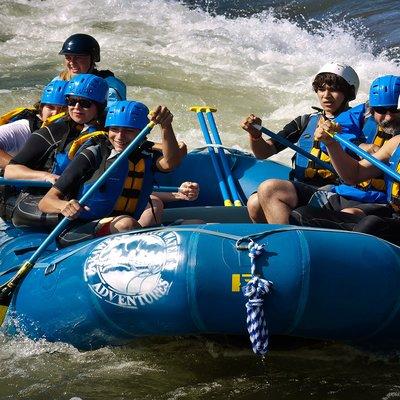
(72,101)
(384,110)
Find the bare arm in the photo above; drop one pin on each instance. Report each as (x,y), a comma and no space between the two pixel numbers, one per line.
(18,171)
(260,147)
(172,154)
(349,169)
(187,191)
(4,158)
(53,203)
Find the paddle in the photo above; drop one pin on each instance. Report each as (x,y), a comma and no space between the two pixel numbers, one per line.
(166,189)
(29,183)
(7,289)
(231,183)
(221,181)
(298,149)
(23,182)
(363,154)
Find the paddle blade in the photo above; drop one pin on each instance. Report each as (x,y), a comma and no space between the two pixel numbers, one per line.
(3,312)
(8,288)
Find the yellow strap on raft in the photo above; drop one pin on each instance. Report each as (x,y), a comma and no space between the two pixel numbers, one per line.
(77,143)
(4,119)
(53,118)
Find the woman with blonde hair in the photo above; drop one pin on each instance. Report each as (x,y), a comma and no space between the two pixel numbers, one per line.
(81,52)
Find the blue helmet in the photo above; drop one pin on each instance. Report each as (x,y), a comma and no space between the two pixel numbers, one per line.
(88,86)
(127,114)
(54,93)
(385,91)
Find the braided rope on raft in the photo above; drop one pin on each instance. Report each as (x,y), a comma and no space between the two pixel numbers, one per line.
(256,290)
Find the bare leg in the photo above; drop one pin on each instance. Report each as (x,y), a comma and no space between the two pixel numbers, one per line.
(277,199)
(147,217)
(353,210)
(123,223)
(254,208)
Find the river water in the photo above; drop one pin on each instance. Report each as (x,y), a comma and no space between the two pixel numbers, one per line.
(241,57)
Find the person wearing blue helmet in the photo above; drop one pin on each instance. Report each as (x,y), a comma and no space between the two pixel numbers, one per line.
(81,52)
(382,221)
(49,150)
(119,204)
(18,124)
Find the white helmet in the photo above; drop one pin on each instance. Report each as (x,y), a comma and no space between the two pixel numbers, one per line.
(346,72)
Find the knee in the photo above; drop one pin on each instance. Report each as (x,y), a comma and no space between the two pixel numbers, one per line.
(353,210)
(253,203)
(123,223)
(276,189)
(157,203)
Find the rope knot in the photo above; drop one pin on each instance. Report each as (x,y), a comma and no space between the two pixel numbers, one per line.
(255,291)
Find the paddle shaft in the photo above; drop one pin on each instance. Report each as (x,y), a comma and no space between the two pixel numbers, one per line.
(30,183)
(24,183)
(6,290)
(363,154)
(294,147)
(223,158)
(221,182)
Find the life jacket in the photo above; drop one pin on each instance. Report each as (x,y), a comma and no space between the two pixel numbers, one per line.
(393,187)
(67,149)
(371,190)
(116,88)
(22,113)
(308,170)
(53,118)
(126,191)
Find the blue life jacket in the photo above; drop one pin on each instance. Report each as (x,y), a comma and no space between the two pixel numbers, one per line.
(116,91)
(372,190)
(126,191)
(393,187)
(308,170)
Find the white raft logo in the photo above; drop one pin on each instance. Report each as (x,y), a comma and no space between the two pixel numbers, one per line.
(129,270)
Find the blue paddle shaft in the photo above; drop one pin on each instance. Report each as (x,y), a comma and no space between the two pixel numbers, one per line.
(23,182)
(363,154)
(207,138)
(222,155)
(65,221)
(298,149)
(166,189)
(45,184)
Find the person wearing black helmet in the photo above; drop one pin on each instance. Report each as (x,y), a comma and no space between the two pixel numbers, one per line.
(81,53)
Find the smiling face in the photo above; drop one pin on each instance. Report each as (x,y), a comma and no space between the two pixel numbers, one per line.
(330,99)
(81,110)
(121,137)
(78,63)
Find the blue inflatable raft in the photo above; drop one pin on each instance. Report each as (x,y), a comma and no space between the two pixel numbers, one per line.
(179,280)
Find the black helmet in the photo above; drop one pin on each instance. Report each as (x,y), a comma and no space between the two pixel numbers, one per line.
(81,43)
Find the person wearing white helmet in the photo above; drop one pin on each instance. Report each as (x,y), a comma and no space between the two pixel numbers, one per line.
(335,85)
(383,221)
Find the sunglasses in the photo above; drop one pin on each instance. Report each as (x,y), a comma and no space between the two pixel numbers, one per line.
(384,110)
(72,102)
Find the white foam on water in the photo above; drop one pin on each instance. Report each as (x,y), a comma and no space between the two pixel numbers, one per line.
(170,54)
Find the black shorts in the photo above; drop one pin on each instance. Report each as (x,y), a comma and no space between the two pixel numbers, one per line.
(320,197)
